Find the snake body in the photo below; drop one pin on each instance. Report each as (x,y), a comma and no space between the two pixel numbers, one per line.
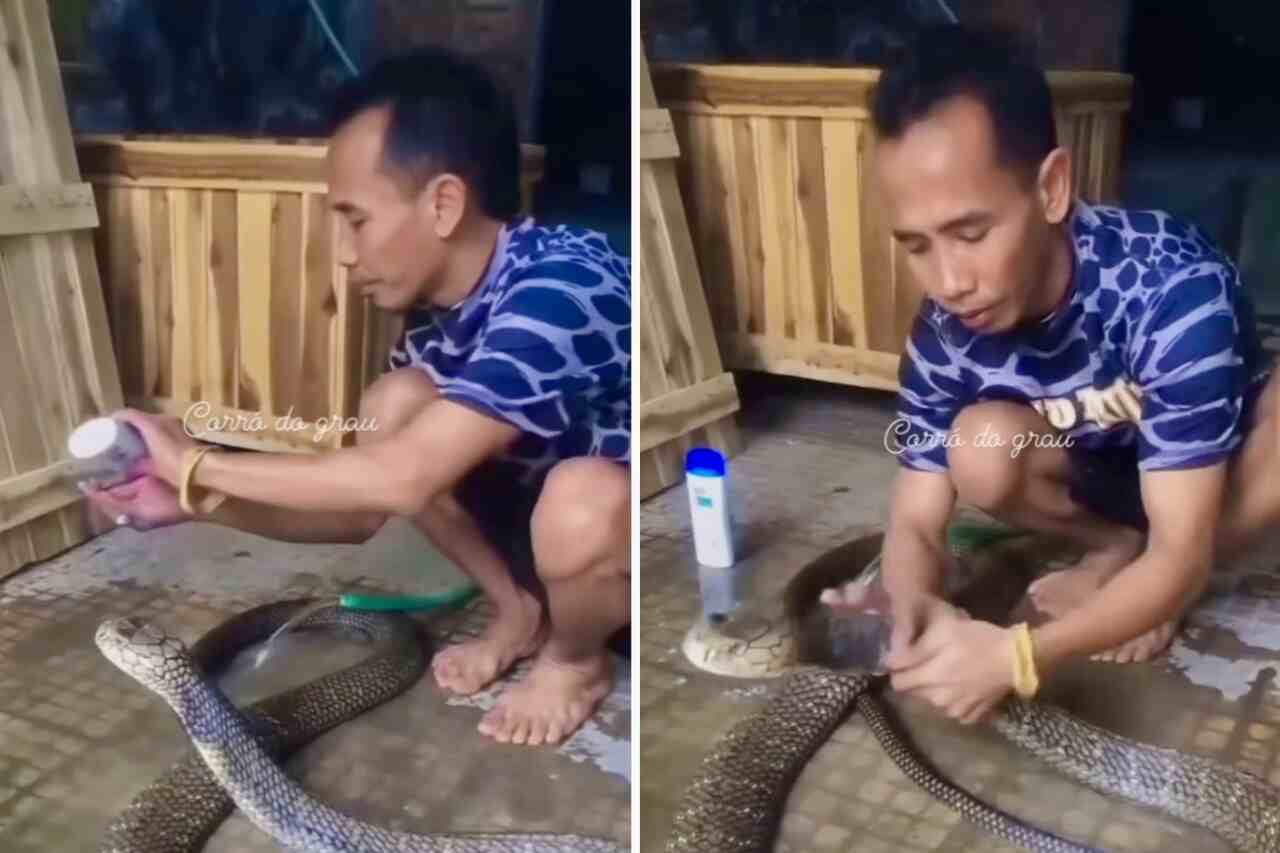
(736,800)
(238,752)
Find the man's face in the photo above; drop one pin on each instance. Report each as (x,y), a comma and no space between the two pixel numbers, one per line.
(974,231)
(386,238)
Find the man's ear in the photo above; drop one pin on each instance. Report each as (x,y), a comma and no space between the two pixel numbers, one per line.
(1054,185)
(445,201)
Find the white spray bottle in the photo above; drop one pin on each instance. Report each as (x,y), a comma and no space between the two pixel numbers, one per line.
(104,451)
(707,482)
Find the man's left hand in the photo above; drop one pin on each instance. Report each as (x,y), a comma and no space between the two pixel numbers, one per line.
(964,667)
(166,441)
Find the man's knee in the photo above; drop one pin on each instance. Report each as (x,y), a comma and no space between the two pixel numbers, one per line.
(583,519)
(392,400)
(985,470)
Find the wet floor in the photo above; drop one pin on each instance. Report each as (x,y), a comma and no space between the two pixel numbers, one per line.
(814,475)
(79,739)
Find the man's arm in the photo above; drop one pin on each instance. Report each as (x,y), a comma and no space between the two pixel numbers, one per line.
(1183,507)
(915,556)
(399,475)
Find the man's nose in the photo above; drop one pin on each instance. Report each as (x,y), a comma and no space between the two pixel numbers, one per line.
(346,247)
(956,282)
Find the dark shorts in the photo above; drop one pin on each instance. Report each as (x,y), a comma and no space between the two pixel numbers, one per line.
(504,511)
(1107,482)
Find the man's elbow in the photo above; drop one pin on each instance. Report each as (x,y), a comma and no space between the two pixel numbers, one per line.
(407,495)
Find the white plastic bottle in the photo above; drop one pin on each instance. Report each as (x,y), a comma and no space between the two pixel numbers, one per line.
(707,482)
(104,450)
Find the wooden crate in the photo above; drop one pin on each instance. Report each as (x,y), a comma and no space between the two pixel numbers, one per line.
(801,273)
(54,341)
(686,396)
(224,291)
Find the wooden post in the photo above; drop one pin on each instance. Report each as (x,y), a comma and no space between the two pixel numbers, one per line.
(59,368)
(687,398)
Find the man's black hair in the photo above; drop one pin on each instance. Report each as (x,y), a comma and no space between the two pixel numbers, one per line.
(990,65)
(447,115)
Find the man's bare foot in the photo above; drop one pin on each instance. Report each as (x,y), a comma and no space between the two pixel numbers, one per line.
(1142,648)
(514,633)
(1061,591)
(551,702)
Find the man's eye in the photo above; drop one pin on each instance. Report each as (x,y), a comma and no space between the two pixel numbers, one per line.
(973,236)
(915,248)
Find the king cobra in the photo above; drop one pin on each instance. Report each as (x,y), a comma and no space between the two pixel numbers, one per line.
(237,752)
(737,798)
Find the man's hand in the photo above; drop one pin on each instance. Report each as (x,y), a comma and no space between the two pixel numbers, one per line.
(914,615)
(962,666)
(166,441)
(147,503)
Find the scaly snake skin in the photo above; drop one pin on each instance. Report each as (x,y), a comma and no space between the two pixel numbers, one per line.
(239,751)
(736,801)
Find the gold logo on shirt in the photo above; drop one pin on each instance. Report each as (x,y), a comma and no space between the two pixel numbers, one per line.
(1119,402)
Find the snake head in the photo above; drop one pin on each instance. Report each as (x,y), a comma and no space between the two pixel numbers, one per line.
(147,654)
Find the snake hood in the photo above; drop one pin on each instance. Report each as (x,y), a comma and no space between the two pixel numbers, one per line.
(159,661)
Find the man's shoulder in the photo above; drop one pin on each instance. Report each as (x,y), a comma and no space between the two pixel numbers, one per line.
(1144,246)
(563,255)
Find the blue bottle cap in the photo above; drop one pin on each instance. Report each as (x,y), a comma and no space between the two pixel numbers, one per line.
(705,462)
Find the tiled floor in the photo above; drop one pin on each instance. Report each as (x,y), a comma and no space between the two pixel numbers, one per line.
(79,739)
(813,475)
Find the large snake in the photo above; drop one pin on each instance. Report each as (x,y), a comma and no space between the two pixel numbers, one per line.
(237,753)
(736,800)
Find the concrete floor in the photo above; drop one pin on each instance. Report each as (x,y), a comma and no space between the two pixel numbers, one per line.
(814,474)
(78,738)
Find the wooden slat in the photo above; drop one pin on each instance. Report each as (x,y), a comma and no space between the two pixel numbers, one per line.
(777,220)
(286,314)
(41,209)
(840,169)
(222,163)
(27,497)
(748,179)
(320,306)
(736,289)
(161,288)
(222,353)
(812,283)
(798,90)
(874,239)
(825,362)
(657,138)
(686,409)
(253,226)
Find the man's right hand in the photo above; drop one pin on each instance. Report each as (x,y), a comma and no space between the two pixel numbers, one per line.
(914,614)
(146,502)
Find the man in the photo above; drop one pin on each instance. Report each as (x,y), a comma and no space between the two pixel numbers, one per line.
(503,425)
(1108,357)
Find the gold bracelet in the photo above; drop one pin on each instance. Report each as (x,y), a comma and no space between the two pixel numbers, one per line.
(207,504)
(1026,681)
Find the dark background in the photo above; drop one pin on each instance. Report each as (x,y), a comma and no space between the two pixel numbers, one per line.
(1202,139)
(266,68)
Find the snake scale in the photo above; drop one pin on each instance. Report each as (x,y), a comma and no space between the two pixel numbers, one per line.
(236,753)
(736,800)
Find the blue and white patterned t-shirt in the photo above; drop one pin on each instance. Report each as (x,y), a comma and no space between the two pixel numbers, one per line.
(1155,344)
(543,342)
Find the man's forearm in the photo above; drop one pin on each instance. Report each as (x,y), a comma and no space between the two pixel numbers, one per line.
(1153,589)
(912,563)
(355,479)
(291,525)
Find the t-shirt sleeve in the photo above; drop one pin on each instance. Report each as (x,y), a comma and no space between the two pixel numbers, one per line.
(540,345)
(1188,363)
(930,395)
